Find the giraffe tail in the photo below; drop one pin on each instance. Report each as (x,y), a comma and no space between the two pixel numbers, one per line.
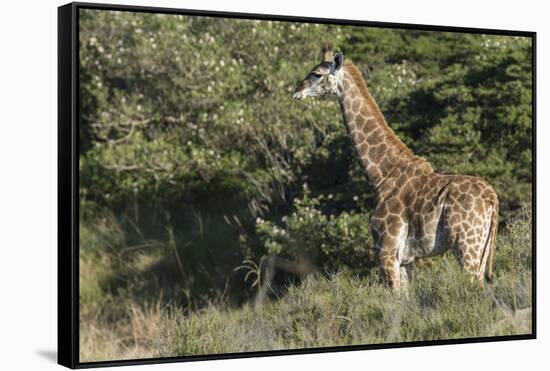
(492,242)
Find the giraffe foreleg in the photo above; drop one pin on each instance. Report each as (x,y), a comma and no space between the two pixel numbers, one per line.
(390,257)
(389,267)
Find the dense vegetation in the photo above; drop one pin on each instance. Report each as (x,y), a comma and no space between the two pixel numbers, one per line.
(196,167)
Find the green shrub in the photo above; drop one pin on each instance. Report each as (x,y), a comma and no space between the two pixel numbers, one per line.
(328,240)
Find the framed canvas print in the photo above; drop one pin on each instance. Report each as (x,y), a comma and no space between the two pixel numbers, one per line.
(237,185)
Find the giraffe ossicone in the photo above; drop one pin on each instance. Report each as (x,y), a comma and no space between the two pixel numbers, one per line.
(419,213)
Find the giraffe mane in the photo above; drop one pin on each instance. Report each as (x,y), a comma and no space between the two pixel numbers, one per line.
(357,76)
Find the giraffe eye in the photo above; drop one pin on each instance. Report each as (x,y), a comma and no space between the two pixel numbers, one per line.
(316,76)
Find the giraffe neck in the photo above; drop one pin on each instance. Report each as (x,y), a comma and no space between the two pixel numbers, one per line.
(379,150)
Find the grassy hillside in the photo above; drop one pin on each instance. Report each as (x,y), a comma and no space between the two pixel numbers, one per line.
(324,309)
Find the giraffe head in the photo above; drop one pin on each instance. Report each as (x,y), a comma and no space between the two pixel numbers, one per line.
(322,80)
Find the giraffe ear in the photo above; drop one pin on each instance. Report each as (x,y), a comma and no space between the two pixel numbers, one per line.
(338,61)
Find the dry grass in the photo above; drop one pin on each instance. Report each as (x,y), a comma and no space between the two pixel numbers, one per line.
(323,310)
(131,337)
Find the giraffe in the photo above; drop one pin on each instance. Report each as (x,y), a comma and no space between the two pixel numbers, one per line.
(419,213)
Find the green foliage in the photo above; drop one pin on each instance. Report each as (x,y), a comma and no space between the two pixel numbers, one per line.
(463,101)
(175,104)
(181,107)
(331,241)
(193,158)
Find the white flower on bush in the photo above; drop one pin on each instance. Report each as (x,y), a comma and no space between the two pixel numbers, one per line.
(278,231)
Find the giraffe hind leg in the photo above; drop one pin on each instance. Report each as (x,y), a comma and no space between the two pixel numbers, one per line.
(470,250)
(468,260)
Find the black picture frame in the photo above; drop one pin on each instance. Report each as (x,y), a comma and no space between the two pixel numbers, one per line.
(68,183)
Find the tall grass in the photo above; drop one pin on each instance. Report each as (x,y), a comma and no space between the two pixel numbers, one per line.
(324,309)
(114,324)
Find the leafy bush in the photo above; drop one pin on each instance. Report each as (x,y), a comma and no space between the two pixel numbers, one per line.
(331,241)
